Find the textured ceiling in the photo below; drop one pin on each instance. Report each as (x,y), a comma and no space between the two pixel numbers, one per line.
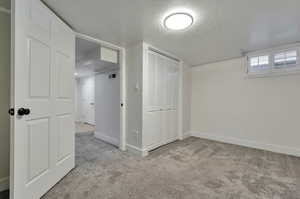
(223,28)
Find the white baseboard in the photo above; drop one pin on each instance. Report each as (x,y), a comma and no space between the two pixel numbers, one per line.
(136,150)
(4,184)
(106,138)
(251,144)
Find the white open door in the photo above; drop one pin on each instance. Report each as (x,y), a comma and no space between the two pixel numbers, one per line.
(42,133)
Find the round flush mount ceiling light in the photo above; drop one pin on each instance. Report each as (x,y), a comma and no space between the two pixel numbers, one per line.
(178,21)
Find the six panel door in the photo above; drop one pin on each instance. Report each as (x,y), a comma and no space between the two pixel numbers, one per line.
(43,139)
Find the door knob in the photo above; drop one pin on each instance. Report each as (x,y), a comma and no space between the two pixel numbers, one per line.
(11,111)
(27,111)
(23,111)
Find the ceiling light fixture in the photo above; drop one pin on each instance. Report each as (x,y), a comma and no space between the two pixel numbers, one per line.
(178,21)
(76,74)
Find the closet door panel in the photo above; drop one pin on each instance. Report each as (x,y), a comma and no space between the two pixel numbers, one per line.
(152,129)
(168,86)
(164,83)
(151,83)
(165,126)
(173,125)
(160,89)
(174,81)
(170,126)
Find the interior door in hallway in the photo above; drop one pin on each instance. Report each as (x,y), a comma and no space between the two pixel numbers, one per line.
(87,99)
(43,97)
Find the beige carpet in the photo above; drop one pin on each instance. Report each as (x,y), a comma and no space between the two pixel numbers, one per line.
(190,169)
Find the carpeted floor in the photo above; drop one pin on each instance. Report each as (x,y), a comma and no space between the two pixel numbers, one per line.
(84,127)
(189,169)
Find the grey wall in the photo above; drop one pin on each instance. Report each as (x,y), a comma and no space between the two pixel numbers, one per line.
(134,85)
(4,97)
(107,107)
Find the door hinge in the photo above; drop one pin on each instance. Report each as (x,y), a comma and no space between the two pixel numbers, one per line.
(11,111)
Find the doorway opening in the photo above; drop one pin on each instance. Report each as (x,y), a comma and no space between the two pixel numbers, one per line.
(98,94)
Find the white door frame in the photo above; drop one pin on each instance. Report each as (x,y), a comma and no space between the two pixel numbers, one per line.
(122,63)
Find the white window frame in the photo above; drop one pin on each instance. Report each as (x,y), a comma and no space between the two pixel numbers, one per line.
(272,71)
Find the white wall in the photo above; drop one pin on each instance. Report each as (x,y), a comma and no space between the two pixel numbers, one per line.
(86,99)
(258,112)
(4,98)
(107,97)
(134,76)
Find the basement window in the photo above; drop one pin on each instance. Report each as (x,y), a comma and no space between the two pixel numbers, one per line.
(285,59)
(259,63)
(274,61)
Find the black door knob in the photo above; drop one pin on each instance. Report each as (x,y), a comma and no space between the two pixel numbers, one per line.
(23,111)
(11,111)
(27,111)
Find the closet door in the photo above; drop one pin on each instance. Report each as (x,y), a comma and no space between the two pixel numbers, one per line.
(152,131)
(151,84)
(170,112)
(162,80)
(174,85)
(165,101)
(169,125)
(170,86)
(165,88)
(161,96)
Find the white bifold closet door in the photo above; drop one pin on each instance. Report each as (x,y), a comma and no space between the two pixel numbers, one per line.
(170,90)
(152,115)
(161,96)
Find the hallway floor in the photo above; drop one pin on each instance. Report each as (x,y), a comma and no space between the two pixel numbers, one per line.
(189,169)
(81,127)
